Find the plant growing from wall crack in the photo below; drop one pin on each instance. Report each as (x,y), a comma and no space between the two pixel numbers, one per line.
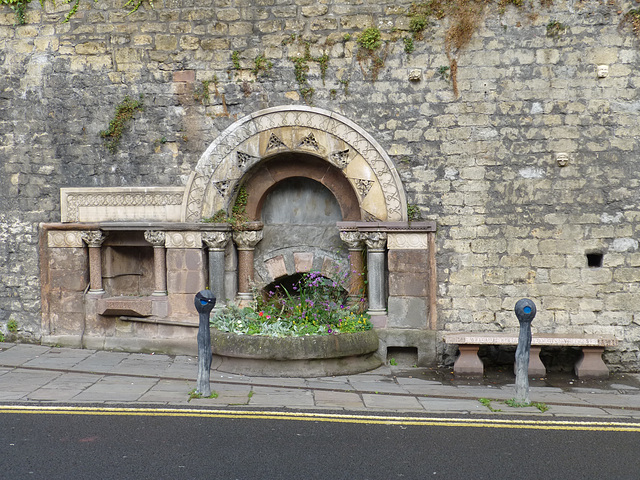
(301,68)
(370,52)
(125,111)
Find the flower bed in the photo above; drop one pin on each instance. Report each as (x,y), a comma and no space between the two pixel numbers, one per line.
(308,331)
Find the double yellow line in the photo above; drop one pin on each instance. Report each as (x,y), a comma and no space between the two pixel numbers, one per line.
(327,417)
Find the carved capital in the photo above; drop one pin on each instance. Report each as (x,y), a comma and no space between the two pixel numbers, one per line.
(216,240)
(353,239)
(247,239)
(93,238)
(375,240)
(155,238)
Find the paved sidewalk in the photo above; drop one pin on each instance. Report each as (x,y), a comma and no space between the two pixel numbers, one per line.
(39,374)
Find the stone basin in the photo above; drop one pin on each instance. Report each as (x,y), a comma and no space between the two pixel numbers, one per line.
(310,356)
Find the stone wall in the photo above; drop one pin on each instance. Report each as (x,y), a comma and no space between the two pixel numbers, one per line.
(530,168)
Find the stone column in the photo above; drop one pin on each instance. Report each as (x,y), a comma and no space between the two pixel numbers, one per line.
(94,239)
(246,240)
(157,239)
(355,244)
(217,243)
(376,250)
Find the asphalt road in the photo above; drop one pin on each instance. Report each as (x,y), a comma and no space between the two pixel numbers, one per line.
(144,445)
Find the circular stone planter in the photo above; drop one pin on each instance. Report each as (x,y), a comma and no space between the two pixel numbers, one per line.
(312,356)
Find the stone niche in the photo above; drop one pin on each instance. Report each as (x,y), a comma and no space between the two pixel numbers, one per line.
(121,269)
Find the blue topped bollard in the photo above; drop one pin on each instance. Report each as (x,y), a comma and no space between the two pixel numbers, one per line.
(204,302)
(525,311)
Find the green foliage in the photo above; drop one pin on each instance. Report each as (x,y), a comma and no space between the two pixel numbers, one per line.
(487,403)
(632,17)
(201,93)
(315,306)
(443,70)
(195,394)
(20,9)
(135,5)
(1,337)
(261,65)
(513,403)
(370,39)
(235,59)
(417,24)
(555,29)
(125,111)
(301,67)
(12,325)
(408,45)
(413,212)
(393,361)
(219,217)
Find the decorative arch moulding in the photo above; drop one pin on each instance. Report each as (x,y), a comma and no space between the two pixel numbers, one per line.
(270,132)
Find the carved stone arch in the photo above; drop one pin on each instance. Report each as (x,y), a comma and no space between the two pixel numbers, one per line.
(296,129)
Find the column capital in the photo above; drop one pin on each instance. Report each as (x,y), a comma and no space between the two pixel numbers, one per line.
(155,238)
(247,239)
(93,238)
(352,238)
(375,240)
(216,240)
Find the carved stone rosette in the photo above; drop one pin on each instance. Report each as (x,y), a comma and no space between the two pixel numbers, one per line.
(216,240)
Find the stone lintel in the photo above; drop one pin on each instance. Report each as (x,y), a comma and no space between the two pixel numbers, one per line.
(390,227)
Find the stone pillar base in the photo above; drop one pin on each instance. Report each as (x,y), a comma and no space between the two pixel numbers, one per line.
(468,364)
(591,364)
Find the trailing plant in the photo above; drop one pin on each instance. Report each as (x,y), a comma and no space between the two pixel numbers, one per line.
(20,9)
(2,337)
(125,111)
(443,70)
(261,65)
(370,43)
(632,17)
(239,209)
(316,305)
(301,68)
(235,59)
(413,212)
(408,45)
(201,93)
(555,29)
(135,5)
(219,217)
(12,325)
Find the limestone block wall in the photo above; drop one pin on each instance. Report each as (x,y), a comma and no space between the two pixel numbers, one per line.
(530,172)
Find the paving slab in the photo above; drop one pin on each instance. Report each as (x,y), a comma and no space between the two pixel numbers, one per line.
(451,405)
(346,400)
(59,358)
(64,387)
(168,391)
(117,389)
(273,397)
(19,383)
(391,402)
(100,362)
(16,355)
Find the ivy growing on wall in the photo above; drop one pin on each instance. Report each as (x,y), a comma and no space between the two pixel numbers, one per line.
(125,111)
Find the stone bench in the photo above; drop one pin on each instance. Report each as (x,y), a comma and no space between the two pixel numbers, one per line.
(590,364)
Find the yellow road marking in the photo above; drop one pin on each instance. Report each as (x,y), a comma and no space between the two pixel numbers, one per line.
(328,417)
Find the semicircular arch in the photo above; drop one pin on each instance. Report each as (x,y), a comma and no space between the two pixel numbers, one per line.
(303,129)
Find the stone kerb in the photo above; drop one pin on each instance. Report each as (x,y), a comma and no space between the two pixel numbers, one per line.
(288,129)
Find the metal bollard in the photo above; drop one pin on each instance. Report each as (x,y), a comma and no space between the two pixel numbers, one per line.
(525,312)
(204,302)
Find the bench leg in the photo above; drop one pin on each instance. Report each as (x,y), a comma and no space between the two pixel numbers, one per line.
(591,364)
(536,367)
(468,364)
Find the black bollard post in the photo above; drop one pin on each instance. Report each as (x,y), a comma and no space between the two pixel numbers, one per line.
(525,311)
(204,302)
